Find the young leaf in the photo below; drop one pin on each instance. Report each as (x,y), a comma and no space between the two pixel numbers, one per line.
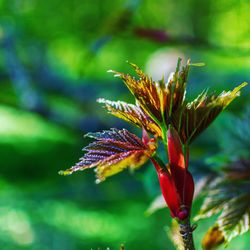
(145,91)
(197,115)
(133,114)
(113,151)
(158,99)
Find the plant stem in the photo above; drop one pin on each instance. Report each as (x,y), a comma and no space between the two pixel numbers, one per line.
(186,232)
(164,129)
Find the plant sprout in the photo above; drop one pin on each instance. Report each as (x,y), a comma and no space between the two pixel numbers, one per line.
(164,116)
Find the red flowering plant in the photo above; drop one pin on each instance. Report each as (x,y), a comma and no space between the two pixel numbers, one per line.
(162,111)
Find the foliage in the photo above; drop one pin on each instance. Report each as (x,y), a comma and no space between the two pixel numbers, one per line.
(161,105)
(133,114)
(228,194)
(114,151)
(52,68)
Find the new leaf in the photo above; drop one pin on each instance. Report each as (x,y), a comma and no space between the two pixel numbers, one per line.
(113,151)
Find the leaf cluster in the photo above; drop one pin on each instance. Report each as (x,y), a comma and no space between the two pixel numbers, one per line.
(228,195)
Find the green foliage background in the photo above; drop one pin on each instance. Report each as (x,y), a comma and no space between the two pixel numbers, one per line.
(53,62)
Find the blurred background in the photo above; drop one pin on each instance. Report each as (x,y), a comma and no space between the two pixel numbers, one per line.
(53,66)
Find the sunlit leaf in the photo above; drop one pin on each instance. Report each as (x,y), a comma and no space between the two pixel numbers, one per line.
(164,102)
(158,99)
(133,114)
(113,151)
(145,90)
(197,115)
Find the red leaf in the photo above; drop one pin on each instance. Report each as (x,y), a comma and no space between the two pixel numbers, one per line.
(133,114)
(113,151)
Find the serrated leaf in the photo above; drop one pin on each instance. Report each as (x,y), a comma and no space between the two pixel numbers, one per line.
(113,151)
(218,194)
(133,114)
(234,219)
(229,196)
(197,115)
(158,99)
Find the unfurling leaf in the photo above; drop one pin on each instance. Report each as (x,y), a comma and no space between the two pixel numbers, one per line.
(133,114)
(164,103)
(157,99)
(196,116)
(113,151)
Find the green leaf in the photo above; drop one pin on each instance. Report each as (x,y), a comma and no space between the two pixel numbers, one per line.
(230,198)
(235,135)
(217,195)
(234,219)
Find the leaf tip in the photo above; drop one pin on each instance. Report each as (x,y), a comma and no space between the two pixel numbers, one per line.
(244,84)
(65,172)
(200,64)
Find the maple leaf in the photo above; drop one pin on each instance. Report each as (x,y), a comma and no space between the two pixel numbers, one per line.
(158,99)
(229,196)
(193,118)
(113,151)
(164,102)
(133,114)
